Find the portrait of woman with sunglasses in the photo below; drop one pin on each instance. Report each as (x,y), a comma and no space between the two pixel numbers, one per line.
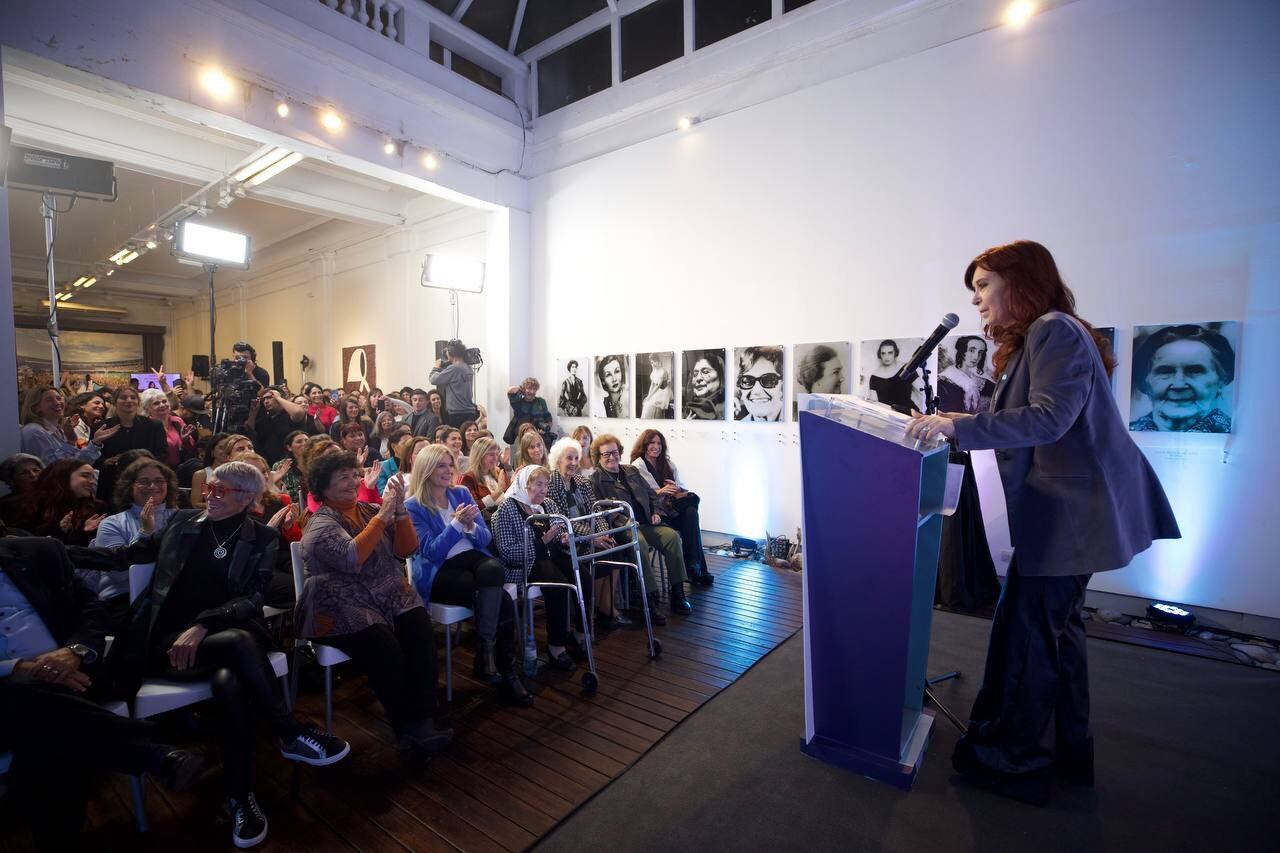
(758,395)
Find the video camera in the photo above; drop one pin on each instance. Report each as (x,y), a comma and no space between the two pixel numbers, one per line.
(235,391)
(471,357)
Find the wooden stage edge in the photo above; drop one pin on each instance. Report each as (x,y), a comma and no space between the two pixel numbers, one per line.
(509,777)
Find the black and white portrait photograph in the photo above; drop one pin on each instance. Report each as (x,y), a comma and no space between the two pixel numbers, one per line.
(705,385)
(572,402)
(759,390)
(656,385)
(1183,377)
(610,386)
(880,359)
(820,369)
(964,379)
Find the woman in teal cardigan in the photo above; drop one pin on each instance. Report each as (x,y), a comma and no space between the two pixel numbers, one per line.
(455,566)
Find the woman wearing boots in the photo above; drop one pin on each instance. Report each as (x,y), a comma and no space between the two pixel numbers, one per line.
(355,598)
(456,568)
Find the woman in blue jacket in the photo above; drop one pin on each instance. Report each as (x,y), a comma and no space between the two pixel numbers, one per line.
(456,567)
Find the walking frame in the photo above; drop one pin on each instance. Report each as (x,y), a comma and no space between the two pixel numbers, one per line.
(603,509)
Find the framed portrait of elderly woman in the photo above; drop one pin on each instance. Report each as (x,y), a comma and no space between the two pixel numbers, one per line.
(611,386)
(964,379)
(704,385)
(758,387)
(655,385)
(1184,377)
(880,359)
(820,369)
(571,401)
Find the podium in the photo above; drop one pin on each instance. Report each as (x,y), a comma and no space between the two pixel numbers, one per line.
(873,503)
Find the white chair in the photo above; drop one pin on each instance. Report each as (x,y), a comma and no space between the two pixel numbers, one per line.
(327,656)
(157,695)
(447,615)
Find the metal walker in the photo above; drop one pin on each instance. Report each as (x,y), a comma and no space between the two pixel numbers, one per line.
(603,509)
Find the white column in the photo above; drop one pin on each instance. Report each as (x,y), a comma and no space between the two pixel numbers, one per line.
(8,345)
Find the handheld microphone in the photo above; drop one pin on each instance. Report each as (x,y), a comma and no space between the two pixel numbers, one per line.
(922,353)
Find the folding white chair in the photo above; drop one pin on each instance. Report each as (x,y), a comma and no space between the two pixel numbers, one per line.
(447,615)
(327,656)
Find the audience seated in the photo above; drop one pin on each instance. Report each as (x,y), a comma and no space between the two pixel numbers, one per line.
(677,506)
(228,447)
(49,669)
(179,438)
(130,429)
(321,445)
(451,437)
(47,437)
(89,410)
(614,481)
(470,432)
(530,449)
(422,419)
(19,472)
(63,504)
(401,457)
(385,433)
(318,405)
(485,477)
(272,419)
(571,490)
(291,466)
(582,435)
(202,619)
(147,499)
(456,568)
(350,412)
(528,408)
(355,598)
(539,552)
(274,507)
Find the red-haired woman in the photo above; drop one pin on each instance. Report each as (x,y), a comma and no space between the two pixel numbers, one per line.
(1081,499)
(63,504)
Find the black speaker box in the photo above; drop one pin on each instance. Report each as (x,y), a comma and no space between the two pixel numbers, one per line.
(277,362)
(200,366)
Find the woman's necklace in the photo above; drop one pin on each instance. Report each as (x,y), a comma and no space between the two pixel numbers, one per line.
(220,551)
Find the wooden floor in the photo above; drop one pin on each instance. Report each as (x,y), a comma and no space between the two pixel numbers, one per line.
(510,775)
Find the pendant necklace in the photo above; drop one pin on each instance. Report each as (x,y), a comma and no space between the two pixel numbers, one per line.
(220,551)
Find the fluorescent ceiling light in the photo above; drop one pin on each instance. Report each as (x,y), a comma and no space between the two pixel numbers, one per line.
(453,272)
(124,256)
(274,169)
(208,245)
(89,282)
(273,156)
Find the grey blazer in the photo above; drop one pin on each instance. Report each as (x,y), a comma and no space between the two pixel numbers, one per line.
(1081,496)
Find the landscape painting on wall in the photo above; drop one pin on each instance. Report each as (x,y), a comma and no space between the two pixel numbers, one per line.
(107,358)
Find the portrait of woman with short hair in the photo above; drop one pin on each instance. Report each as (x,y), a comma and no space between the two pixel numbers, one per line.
(1182,376)
(610,388)
(820,369)
(758,384)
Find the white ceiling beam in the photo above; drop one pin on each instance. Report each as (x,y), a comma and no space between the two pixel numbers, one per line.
(515,28)
(613,6)
(461,10)
(587,26)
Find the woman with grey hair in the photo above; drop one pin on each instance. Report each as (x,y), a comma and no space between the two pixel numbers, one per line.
(179,438)
(201,620)
(1184,371)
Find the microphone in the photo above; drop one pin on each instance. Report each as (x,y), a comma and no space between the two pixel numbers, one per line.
(923,351)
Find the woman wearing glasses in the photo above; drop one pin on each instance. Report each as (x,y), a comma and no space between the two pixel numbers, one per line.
(201,619)
(759,386)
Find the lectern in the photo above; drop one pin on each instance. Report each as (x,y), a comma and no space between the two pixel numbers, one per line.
(873,503)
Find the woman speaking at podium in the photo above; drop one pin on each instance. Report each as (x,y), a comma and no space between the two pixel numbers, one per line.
(1081,499)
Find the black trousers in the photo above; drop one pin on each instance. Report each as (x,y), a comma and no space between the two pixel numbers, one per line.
(235,662)
(1034,698)
(561,609)
(474,579)
(401,662)
(686,522)
(457,419)
(58,740)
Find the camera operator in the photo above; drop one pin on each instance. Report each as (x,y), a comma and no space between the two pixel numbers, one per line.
(272,416)
(458,380)
(244,351)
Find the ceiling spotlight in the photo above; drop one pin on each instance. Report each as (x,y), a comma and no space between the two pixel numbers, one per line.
(388,147)
(167,234)
(686,122)
(282,109)
(1019,12)
(217,84)
(151,244)
(431,161)
(224,195)
(331,120)
(111,272)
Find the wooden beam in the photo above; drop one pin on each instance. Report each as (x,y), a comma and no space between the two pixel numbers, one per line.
(515,27)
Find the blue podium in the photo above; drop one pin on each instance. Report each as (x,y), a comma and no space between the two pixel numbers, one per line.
(873,504)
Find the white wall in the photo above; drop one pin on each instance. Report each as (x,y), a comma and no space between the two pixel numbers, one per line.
(1136,139)
(343,285)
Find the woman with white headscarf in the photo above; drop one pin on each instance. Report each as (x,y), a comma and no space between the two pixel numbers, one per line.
(538,551)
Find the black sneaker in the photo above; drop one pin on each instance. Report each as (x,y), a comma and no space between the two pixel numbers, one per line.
(314,747)
(248,823)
